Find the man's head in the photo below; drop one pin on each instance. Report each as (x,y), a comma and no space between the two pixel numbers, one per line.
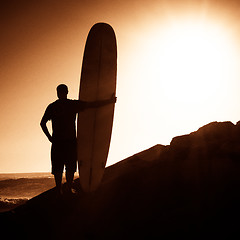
(62,91)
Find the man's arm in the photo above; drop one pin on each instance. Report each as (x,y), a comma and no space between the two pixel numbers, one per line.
(101,103)
(43,125)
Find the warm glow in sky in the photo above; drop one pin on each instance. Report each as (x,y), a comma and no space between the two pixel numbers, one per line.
(178,69)
(184,76)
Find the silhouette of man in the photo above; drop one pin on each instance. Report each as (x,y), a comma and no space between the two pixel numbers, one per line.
(62,113)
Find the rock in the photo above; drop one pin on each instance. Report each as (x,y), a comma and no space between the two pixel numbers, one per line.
(215,131)
(190,188)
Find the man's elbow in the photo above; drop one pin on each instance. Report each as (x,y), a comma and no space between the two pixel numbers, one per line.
(42,124)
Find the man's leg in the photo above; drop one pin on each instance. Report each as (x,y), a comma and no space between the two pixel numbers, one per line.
(58,181)
(57,165)
(71,163)
(69,178)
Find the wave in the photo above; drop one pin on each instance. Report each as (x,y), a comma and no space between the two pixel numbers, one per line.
(7,176)
(24,187)
(15,192)
(7,204)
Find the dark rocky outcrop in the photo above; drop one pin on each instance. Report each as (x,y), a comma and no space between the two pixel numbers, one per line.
(189,189)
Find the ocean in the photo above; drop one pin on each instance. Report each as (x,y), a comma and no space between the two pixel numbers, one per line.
(17,188)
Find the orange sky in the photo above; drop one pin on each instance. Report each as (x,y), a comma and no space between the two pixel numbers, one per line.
(42,45)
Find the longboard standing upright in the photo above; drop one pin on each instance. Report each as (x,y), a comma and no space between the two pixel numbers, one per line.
(94,126)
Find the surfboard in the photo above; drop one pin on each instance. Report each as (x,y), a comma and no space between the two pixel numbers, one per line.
(94,125)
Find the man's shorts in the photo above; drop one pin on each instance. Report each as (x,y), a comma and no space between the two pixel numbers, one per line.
(64,153)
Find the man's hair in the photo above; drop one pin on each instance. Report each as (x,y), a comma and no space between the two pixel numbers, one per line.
(62,88)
